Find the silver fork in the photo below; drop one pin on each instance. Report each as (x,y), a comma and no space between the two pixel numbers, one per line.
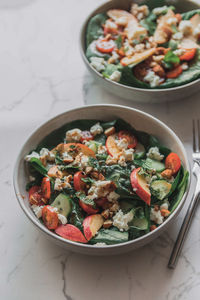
(193,204)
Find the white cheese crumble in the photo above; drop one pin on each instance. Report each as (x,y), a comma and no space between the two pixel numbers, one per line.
(137,32)
(96,129)
(184,66)
(128,154)
(115,76)
(102,149)
(155,215)
(159,10)
(99,189)
(61,184)
(100,244)
(111,160)
(62,219)
(152,79)
(98,63)
(32,178)
(44,152)
(113,197)
(84,161)
(122,143)
(154,153)
(110,24)
(73,135)
(172,21)
(165,205)
(32,155)
(121,220)
(179,52)
(37,210)
(185,27)
(177,36)
(128,48)
(139,47)
(122,161)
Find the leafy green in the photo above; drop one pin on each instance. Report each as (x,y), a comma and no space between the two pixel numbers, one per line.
(110,237)
(180,192)
(100,138)
(94,28)
(118,41)
(38,166)
(170,57)
(76,217)
(93,163)
(189,14)
(110,68)
(173,44)
(149,23)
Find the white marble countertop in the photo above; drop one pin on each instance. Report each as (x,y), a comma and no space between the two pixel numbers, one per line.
(41,75)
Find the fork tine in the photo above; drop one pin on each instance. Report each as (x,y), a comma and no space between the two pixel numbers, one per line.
(194,135)
(198,134)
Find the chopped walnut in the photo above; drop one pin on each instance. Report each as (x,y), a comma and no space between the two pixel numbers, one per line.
(109,131)
(105,213)
(101,177)
(88,170)
(114,207)
(95,175)
(55,172)
(107,224)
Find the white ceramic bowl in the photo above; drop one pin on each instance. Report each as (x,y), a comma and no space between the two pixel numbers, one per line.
(134,93)
(136,118)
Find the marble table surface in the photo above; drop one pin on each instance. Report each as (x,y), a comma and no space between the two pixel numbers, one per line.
(41,75)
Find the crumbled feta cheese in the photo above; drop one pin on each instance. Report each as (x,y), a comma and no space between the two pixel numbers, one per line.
(102,150)
(111,160)
(185,27)
(73,135)
(133,167)
(37,210)
(115,76)
(98,63)
(32,178)
(140,11)
(45,153)
(184,66)
(122,143)
(121,220)
(100,188)
(84,161)
(139,48)
(152,79)
(197,31)
(128,48)
(164,206)
(122,161)
(110,24)
(179,52)
(172,21)
(62,219)
(113,58)
(154,177)
(62,184)
(155,215)
(159,10)
(100,244)
(113,197)
(32,155)
(96,129)
(66,156)
(154,153)
(128,154)
(177,36)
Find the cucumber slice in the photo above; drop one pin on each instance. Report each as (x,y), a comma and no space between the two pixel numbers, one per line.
(94,146)
(110,237)
(139,151)
(160,188)
(152,164)
(63,204)
(140,223)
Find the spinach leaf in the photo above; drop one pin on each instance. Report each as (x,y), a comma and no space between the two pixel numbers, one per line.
(173,44)
(38,166)
(180,192)
(176,181)
(149,23)
(94,163)
(189,14)
(171,58)
(135,232)
(76,217)
(106,125)
(118,41)
(94,28)
(101,138)
(110,236)
(154,3)
(110,68)
(128,78)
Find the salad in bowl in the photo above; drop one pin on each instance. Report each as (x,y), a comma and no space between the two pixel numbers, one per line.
(103,183)
(145,48)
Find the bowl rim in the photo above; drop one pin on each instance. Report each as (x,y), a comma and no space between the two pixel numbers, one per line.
(83,55)
(51,234)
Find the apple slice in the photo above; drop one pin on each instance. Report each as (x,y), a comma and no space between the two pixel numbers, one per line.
(111,146)
(163,30)
(91,225)
(71,233)
(140,185)
(138,57)
(119,14)
(88,208)
(79,148)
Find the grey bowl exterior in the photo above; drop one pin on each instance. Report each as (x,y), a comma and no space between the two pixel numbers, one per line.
(133,93)
(136,118)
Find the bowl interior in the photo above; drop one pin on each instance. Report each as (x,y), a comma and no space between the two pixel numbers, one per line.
(137,119)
